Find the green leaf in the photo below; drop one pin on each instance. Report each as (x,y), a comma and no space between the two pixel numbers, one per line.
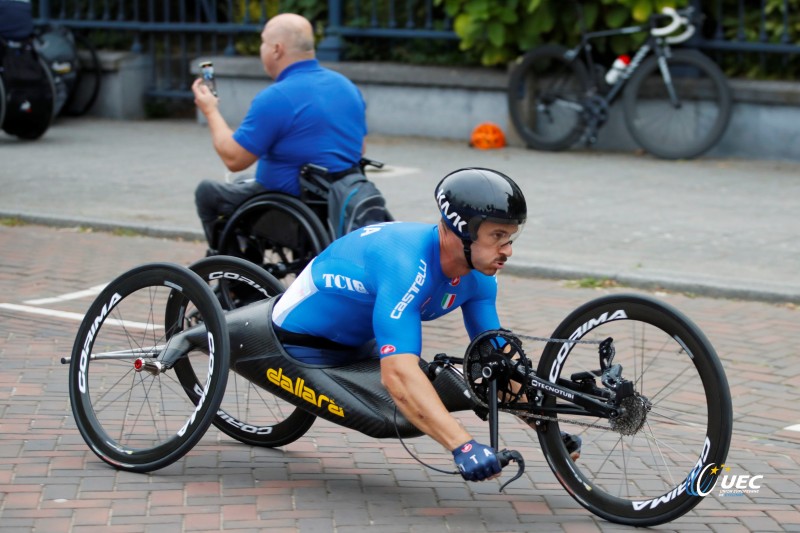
(509,16)
(616,17)
(533,5)
(590,13)
(462,25)
(642,10)
(497,33)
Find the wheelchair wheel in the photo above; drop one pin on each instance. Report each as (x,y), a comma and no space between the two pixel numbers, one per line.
(128,403)
(87,85)
(655,460)
(277,232)
(248,413)
(2,102)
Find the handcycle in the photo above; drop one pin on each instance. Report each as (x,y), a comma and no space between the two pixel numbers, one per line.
(634,377)
(280,232)
(677,103)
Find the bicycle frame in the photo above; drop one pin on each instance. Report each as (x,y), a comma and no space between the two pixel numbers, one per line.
(656,42)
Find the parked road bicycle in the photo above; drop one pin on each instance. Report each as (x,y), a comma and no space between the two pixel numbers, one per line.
(634,377)
(676,102)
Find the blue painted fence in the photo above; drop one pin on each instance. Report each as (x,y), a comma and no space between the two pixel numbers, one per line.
(174,32)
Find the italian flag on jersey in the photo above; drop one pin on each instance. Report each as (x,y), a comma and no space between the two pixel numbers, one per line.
(448,300)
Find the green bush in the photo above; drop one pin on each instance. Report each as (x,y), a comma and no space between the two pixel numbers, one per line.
(501,31)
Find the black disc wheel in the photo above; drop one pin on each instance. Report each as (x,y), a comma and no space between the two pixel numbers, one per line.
(248,413)
(653,460)
(677,107)
(545,94)
(277,232)
(128,404)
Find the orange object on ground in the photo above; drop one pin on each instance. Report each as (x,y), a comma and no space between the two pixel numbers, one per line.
(487,136)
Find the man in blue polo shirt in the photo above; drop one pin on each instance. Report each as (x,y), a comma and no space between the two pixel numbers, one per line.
(309,115)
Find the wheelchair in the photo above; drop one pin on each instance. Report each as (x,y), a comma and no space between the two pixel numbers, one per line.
(27,90)
(279,232)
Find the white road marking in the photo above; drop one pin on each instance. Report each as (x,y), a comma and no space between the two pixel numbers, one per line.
(76,316)
(92,291)
(390,172)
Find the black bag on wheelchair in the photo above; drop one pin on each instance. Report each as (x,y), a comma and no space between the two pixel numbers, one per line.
(355,202)
(29,90)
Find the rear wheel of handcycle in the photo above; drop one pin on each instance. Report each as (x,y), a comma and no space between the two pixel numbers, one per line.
(128,404)
(248,413)
(687,125)
(275,231)
(545,93)
(654,462)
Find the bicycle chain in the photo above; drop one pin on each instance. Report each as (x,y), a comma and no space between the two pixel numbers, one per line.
(551,339)
(526,415)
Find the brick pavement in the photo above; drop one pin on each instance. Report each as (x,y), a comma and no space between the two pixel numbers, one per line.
(334,479)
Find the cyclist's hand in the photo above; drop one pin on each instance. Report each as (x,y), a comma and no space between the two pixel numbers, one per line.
(475,461)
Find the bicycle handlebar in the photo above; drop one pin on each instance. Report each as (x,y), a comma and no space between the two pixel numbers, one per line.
(678,19)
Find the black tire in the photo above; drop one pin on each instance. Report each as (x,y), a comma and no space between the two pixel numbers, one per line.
(275,231)
(632,475)
(31,133)
(665,130)
(132,418)
(248,413)
(545,93)
(87,84)
(2,102)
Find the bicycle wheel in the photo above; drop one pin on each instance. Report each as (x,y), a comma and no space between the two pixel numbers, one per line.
(2,103)
(248,413)
(87,84)
(641,468)
(277,232)
(128,405)
(545,93)
(690,124)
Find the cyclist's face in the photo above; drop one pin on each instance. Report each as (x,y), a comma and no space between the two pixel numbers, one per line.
(493,246)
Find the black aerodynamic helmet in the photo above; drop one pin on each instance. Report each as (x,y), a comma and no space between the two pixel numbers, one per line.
(470,196)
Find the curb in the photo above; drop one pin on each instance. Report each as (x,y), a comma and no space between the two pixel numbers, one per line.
(708,287)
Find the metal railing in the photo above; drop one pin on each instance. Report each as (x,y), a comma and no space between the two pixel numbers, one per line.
(174,32)
(736,23)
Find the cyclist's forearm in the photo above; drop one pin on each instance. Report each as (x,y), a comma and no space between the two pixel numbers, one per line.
(416,398)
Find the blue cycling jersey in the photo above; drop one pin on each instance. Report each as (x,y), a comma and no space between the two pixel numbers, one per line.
(381,282)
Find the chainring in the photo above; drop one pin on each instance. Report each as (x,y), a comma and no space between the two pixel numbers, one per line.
(496,355)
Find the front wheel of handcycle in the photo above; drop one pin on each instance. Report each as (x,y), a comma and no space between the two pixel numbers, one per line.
(545,93)
(678,106)
(247,413)
(656,460)
(128,404)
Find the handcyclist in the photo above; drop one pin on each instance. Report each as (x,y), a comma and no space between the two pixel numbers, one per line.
(368,293)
